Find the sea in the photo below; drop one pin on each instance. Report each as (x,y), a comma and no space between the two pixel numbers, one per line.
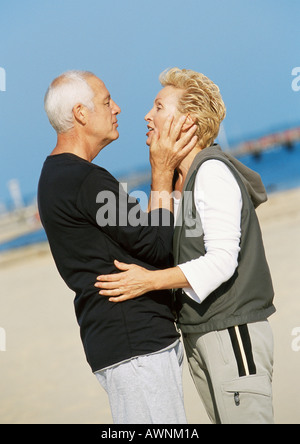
(279,169)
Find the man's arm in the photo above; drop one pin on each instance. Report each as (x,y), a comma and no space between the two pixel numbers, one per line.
(104,203)
(146,236)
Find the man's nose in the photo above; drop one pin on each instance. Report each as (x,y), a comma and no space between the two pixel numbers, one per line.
(115,108)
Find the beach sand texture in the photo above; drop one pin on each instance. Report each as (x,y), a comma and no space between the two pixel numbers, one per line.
(44,376)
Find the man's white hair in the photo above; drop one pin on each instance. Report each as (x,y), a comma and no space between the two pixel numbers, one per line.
(67,90)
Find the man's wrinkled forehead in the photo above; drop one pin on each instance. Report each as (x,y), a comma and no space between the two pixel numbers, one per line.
(98,86)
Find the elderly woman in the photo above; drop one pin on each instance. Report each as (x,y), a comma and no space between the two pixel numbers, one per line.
(225,291)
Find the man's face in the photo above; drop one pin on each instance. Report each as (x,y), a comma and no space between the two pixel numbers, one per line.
(165,105)
(103,123)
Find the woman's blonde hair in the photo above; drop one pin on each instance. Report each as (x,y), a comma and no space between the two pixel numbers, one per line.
(201,100)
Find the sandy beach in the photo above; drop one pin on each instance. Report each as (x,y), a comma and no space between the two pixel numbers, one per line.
(44,375)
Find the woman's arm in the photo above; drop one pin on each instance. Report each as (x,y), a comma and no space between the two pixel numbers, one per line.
(167,151)
(219,202)
(134,281)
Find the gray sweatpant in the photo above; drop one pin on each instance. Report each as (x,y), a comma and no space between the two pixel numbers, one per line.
(147,389)
(232,370)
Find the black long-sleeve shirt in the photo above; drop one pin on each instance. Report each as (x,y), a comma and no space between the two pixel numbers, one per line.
(74,197)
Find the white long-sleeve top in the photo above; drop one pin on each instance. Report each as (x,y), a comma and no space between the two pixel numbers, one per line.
(218,200)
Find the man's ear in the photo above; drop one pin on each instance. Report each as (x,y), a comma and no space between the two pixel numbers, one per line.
(80,113)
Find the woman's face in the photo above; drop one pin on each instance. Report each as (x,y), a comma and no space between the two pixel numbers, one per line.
(165,105)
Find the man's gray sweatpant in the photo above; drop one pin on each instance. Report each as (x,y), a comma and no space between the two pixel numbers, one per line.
(232,370)
(147,389)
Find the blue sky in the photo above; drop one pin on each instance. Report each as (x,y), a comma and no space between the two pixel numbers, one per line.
(248,48)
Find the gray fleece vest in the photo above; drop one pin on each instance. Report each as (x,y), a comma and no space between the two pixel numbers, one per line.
(248,296)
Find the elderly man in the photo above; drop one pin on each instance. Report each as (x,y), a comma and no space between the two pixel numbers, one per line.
(133,348)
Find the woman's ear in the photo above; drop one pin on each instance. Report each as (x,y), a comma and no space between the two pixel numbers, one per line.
(188,123)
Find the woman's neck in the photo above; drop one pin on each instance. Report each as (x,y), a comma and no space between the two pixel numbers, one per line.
(184,167)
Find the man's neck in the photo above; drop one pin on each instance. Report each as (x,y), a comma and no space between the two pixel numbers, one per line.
(70,143)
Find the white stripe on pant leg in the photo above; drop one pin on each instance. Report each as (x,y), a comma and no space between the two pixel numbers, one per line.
(242,351)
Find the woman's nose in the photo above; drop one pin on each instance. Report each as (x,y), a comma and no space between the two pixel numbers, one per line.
(148,116)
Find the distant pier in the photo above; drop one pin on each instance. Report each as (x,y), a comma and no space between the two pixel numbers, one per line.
(287,138)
